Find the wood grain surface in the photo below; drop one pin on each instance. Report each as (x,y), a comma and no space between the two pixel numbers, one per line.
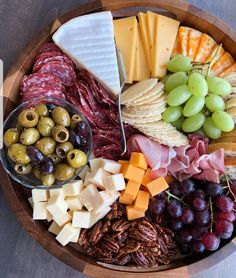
(20,21)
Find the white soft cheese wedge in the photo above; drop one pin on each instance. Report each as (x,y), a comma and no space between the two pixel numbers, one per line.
(89,41)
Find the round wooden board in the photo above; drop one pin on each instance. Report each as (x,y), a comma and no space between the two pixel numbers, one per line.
(188,15)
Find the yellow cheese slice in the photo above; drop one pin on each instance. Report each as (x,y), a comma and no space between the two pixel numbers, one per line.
(222,64)
(206,46)
(228,70)
(141,69)
(183,35)
(218,56)
(194,39)
(151,24)
(125,30)
(143,26)
(176,49)
(165,35)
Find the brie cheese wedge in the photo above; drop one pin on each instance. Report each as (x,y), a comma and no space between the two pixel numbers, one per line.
(89,41)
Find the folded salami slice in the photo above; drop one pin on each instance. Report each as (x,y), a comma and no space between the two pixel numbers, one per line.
(61,70)
(49,47)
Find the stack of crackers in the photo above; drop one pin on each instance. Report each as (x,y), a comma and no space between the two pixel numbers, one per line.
(144,102)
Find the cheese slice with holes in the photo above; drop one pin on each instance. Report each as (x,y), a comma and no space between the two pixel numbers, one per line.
(183,35)
(222,64)
(89,41)
(206,46)
(194,38)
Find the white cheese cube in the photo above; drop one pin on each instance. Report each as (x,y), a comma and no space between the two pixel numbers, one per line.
(81,219)
(87,195)
(39,195)
(30,200)
(66,234)
(74,203)
(39,211)
(61,220)
(83,172)
(54,228)
(71,212)
(56,192)
(111,166)
(56,205)
(86,180)
(109,196)
(76,237)
(95,164)
(96,216)
(114,182)
(73,188)
(49,216)
(97,177)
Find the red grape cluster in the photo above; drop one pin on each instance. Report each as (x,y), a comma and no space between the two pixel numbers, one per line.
(200,213)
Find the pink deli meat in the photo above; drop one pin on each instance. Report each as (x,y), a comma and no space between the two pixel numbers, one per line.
(48,47)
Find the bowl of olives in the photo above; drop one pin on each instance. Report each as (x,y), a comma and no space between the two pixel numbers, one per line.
(46,143)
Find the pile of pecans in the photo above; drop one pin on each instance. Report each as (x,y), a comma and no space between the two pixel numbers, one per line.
(116,240)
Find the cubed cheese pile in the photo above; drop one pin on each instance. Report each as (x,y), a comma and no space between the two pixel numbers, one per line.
(79,204)
(139,185)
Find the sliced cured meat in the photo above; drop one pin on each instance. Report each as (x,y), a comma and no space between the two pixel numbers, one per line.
(61,70)
(47,47)
(47,57)
(41,79)
(43,91)
(111,151)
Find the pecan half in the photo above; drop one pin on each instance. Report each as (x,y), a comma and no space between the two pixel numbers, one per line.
(130,247)
(106,226)
(124,259)
(83,238)
(163,247)
(96,234)
(110,244)
(144,232)
(120,225)
(140,259)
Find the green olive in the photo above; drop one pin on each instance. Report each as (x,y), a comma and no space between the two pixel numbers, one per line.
(36,172)
(61,116)
(45,126)
(42,110)
(23,169)
(17,153)
(11,136)
(28,118)
(29,136)
(64,172)
(55,158)
(48,180)
(74,120)
(63,148)
(60,133)
(76,158)
(46,145)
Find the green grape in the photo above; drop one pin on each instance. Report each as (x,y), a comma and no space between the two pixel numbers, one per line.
(201,132)
(197,85)
(178,95)
(179,63)
(210,129)
(193,123)
(166,77)
(193,106)
(172,114)
(175,80)
(215,103)
(218,86)
(178,123)
(223,121)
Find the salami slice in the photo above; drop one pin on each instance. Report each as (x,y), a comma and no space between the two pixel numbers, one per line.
(49,47)
(47,57)
(41,79)
(61,70)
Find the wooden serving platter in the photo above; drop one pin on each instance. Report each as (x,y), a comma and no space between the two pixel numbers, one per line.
(188,15)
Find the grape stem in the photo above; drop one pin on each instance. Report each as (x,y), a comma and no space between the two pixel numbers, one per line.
(213,60)
(211,209)
(228,185)
(177,198)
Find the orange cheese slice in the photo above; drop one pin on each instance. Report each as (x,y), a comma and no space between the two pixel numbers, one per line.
(228,70)
(194,39)
(206,46)
(183,35)
(222,64)
(212,54)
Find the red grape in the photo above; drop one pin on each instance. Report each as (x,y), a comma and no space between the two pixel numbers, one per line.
(202,217)
(174,188)
(230,216)
(157,206)
(199,204)
(198,232)
(224,203)
(224,228)
(233,186)
(198,247)
(214,189)
(187,216)
(174,209)
(176,224)
(211,241)
(185,235)
(187,187)
(199,193)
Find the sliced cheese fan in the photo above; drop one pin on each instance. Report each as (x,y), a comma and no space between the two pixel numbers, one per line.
(89,41)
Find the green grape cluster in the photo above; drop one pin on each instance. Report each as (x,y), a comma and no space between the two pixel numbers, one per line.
(195,103)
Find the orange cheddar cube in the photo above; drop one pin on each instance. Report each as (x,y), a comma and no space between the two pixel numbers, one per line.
(133,173)
(157,186)
(132,189)
(146,178)
(169,179)
(123,163)
(125,199)
(141,202)
(138,160)
(133,213)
